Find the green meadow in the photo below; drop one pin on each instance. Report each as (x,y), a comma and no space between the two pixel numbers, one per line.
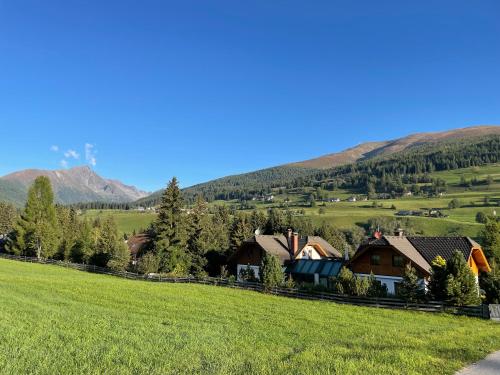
(61,321)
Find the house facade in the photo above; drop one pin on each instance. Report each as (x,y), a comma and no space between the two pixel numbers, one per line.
(287,249)
(387,256)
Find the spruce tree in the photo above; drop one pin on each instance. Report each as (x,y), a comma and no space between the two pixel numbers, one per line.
(36,232)
(461,286)
(198,242)
(170,232)
(490,238)
(410,288)
(272,275)
(437,282)
(8,216)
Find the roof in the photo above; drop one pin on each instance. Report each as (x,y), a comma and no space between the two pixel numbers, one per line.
(278,245)
(431,247)
(137,242)
(404,246)
(324,267)
(423,250)
(273,244)
(329,249)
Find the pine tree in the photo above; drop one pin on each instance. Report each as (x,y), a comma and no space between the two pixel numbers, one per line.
(198,242)
(461,286)
(490,238)
(170,232)
(437,282)
(410,288)
(36,232)
(241,230)
(8,216)
(272,275)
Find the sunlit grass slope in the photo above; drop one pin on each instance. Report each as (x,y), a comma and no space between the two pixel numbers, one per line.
(60,321)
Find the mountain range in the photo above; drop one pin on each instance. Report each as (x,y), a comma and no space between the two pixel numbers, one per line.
(82,184)
(78,184)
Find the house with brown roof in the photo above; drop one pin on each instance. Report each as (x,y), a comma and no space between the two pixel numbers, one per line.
(387,256)
(287,248)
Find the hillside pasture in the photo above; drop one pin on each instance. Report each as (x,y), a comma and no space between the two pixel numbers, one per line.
(55,320)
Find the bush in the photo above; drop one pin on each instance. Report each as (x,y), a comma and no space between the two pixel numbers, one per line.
(481,217)
(248,274)
(490,283)
(149,263)
(437,282)
(454,203)
(376,288)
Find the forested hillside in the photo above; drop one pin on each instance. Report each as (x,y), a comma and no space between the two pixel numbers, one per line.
(393,174)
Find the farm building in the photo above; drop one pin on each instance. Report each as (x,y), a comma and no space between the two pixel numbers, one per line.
(288,249)
(387,256)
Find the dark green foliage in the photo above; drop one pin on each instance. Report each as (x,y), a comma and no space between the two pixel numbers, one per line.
(437,282)
(272,275)
(481,217)
(461,286)
(490,283)
(376,288)
(490,238)
(454,203)
(36,231)
(8,216)
(348,283)
(333,236)
(411,288)
(149,263)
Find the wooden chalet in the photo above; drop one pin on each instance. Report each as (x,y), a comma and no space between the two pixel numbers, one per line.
(387,256)
(288,249)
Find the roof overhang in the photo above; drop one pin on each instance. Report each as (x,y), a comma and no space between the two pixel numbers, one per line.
(480,259)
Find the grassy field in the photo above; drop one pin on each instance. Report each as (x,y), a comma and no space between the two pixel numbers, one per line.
(55,320)
(127,221)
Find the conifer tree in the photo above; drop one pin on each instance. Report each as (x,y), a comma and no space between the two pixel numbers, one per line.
(461,286)
(272,275)
(491,239)
(36,232)
(437,282)
(8,216)
(198,242)
(411,289)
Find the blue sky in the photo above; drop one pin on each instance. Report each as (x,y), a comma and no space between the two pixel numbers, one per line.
(203,89)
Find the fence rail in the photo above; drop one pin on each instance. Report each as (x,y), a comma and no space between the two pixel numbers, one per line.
(481,311)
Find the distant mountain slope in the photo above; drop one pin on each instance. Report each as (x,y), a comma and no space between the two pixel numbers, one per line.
(303,173)
(369,150)
(79,184)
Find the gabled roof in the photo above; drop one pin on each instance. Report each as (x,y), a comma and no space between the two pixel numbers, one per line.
(431,247)
(273,244)
(329,249)
(423,250)
(405,247)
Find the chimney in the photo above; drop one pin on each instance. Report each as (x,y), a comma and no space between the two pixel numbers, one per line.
(377,235)
(346,254)
(399,232)
(289,240)
(295,243)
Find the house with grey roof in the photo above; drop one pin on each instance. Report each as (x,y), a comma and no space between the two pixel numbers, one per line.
(387,256)
(288,249)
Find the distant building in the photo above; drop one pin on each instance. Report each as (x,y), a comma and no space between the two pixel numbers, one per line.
(352,199)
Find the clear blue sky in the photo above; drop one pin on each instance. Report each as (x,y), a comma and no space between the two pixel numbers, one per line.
(203,89)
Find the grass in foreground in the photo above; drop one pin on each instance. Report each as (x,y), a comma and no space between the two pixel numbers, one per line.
(55,320)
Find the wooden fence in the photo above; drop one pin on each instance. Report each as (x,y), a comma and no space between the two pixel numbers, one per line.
(481,311)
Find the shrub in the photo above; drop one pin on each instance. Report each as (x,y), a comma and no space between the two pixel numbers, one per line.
(248,274)
(149,263)
(376,288)
(481,217)
(437,282)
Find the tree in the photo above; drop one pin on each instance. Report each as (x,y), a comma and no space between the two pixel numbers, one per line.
(8,216)
(454,203)
(198,241)
(149,263)
(272,274)
(481,217)
(36,232)
(437,282)
(411,288)
(490,283)
(461,286)
(170,232)
(490,238)
(376,288)
(240,231)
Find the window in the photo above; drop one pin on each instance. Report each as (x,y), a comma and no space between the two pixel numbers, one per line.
(398,261)
(375,260)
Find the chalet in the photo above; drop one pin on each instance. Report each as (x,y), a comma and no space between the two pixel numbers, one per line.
(352,199)
(288,249)
(386,256)
(136,245)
